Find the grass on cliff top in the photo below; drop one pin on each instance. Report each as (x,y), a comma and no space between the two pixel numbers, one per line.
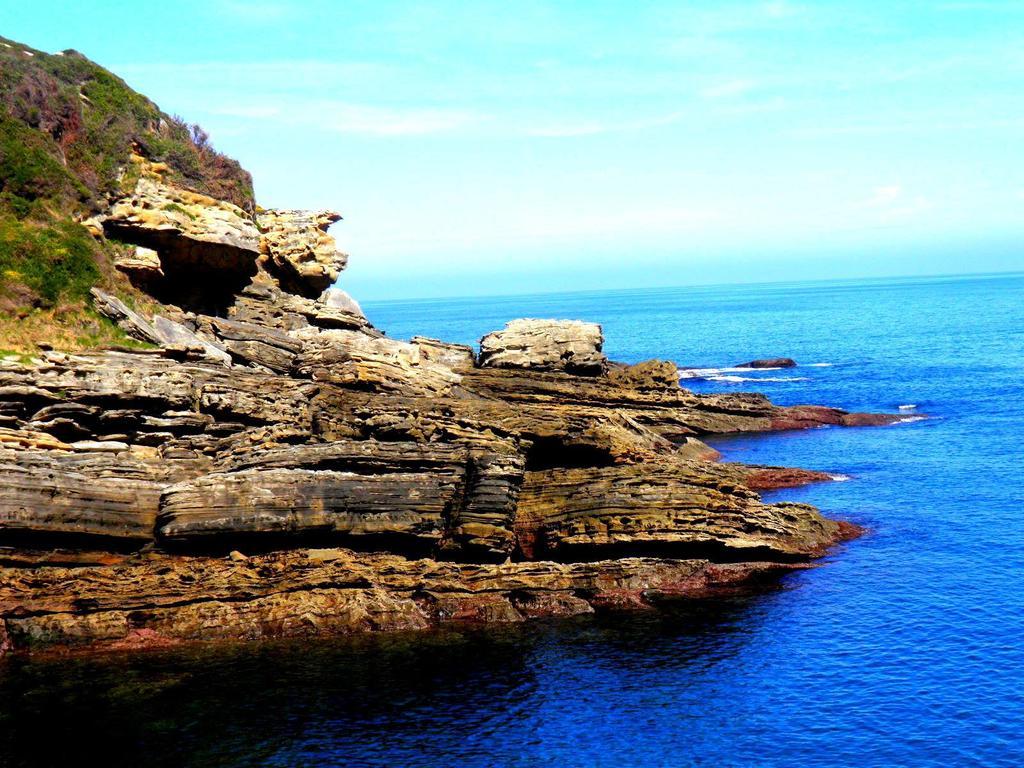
(46,271)
(67,130)
(56,261)
(71,327)
(92,119)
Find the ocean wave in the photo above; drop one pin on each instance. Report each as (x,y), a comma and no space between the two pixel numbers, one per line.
(907,407)
(910,419)
(741,379)
(710,373)
(840,478)
(820,365)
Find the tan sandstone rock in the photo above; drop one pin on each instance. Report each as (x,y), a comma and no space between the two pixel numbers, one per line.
(300,253)
(545,345)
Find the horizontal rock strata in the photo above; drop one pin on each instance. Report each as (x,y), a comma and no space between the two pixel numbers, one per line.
(203,487)
(159,600)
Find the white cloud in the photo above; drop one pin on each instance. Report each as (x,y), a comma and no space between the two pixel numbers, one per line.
(254,111)
(570,129)
(351,118)
(883,196)
(387,121)
(545,226)
(727,89)
(891,204)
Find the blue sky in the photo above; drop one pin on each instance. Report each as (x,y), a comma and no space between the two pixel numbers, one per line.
(481,148)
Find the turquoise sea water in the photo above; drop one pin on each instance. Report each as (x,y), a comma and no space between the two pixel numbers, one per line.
(905,648)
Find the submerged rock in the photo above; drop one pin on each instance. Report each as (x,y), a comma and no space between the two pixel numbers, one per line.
(770,362)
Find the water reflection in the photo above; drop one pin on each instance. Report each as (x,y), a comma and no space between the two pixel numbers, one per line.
(366,700)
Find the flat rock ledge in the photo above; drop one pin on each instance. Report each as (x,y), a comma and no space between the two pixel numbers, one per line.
(156,601)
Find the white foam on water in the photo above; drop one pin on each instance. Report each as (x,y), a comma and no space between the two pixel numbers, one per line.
(907,407)
(820,365)
(840,478)
(741,379)
(707,373)
(910,419)
(711,373)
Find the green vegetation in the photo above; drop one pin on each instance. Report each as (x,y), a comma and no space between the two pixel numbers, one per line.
(28,169)
(92,119)
(54,262)
(68,129)
(175,208)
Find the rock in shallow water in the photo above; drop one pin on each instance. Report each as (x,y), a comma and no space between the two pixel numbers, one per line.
(158,600)
(770,362)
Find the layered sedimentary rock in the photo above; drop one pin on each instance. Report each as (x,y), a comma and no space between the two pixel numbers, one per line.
(300,253)
(545,345)
(158,600)
(186,229)
(275,465)
(664,507)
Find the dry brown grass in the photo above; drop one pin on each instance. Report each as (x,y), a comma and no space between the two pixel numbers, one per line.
(68,327)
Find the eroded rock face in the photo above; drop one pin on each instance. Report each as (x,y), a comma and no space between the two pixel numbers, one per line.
(300,253)
(545,345)
(458,357)
(648,375)
(158,600)
(143,266)
(186,228)
(197,239)
(535,480)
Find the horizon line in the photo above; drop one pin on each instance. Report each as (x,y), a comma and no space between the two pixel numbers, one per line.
(647,289)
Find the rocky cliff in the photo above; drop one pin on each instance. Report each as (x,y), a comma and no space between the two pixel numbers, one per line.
(265,462)
(69,133)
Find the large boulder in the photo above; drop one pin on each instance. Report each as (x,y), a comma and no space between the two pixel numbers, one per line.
(546,345)
(299,252)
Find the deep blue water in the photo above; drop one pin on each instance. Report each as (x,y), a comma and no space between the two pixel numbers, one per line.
(905,648)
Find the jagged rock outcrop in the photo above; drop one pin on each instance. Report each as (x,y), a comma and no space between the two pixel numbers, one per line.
(648,375)
(142,265)
(202,487)
(189,231)
(458,357)
(545,345)
(299,252)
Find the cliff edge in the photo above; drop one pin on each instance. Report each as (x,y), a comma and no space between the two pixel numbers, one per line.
(261,461)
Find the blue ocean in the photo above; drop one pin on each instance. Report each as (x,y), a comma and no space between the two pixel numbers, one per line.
(905,647)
